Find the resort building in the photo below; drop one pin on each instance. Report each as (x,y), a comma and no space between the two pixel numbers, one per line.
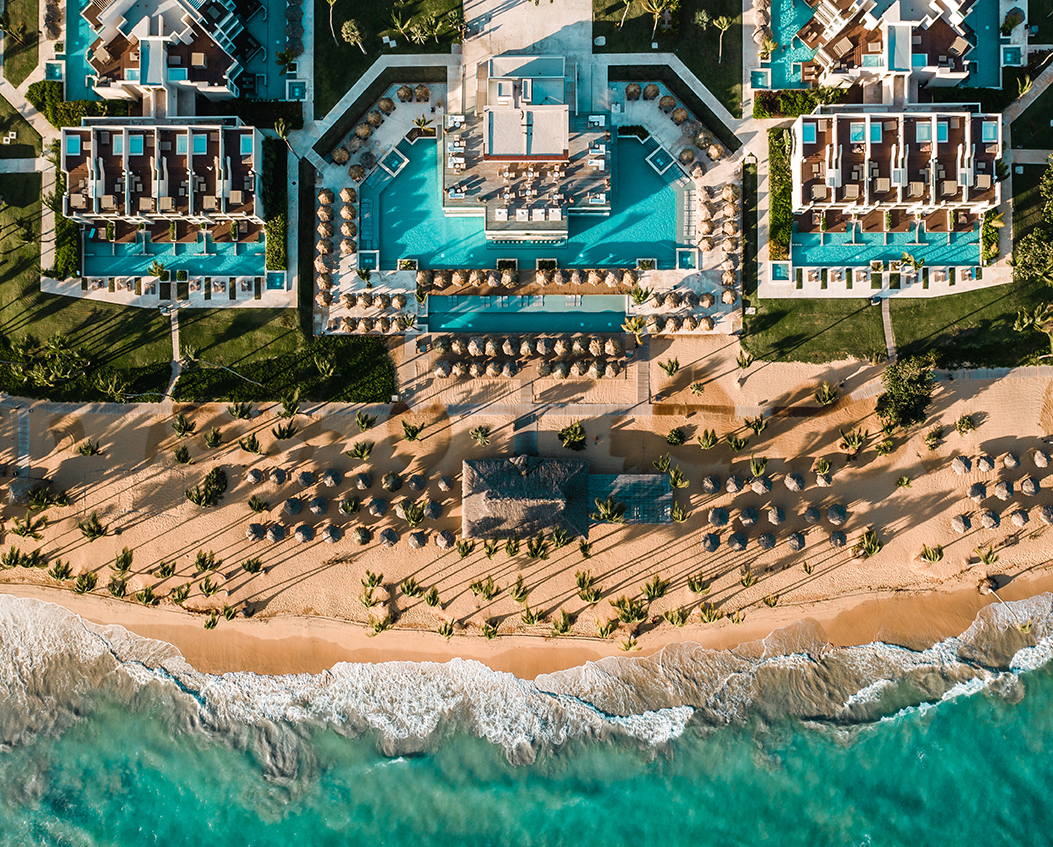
(200,173)
(934,43)
(165,54)
(933,165)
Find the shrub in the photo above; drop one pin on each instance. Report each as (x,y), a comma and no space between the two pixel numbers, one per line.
(46,97)
(210,492)
(908,389)
(780,201)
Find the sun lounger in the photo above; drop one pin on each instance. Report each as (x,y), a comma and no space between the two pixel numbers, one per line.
(522,215)
(555,215)
(501,214)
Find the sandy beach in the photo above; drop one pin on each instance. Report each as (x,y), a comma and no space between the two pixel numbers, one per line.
(305,611)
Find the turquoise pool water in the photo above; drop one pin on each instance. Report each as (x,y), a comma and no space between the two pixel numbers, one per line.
(198,259)
(787,18)
(759,79)
(550,313)
(840,248)
(78,39)
(986,71)
(411,223)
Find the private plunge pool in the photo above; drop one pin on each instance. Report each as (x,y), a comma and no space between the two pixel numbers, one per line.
(526,313)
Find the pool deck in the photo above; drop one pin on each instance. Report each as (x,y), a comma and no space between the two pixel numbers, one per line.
(151,299)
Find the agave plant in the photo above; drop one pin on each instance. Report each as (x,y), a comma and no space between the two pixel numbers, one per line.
(183,426)
(446,629)
(562,624)
(585,547)
(411,588)
(868,545)
(486,588)
(351,505)
(822,465)
(180,593)
(364,421)
(677,617)
(512,546)
(758,464)
(748,579)
(122,562)
(630,644)
(206,562)
(852,441)
(931,554)
(531,617)
(964,424)
(118,587)
(655,588)
(635,325)
(85,582)
(604,629)
(212,619)
(240,411)
(709,613)
(661,464)
(988,557)
(884,447)
(560,537)
(481,435)
(372,580)
(608,511)
(213,438)
(629,611)
(465,547)
(360,450)
(934,437)
(230,612)
(639,294)
(670,366)
(182,455)
(165,569)
(253,565)
(89,448)
(903,482)
(771,600)
(735,443)
(490,547)
(678,513)
(290,405)
(431,597)
(92,528)
(744,360)
(258,505)
(413,513)
(757,424)
(411,431)
(146,596)
(537,547)
(573,436)
(698,584)
(588,591)
(60,570)
(285,431)
(519,591)
(30,527)
(826,394)
(251,444)
(677,478)
(707,440)
(697,388)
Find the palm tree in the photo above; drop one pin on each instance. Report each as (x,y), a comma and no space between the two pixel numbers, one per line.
(281,127)
(995,219)
(400,26)
(1024,85)
(621,23)
(655,8)
(912,260)
(987,585)
(422,122)
(283,59)
(332,3)
(634,325)
(723,23)
(353,35)
(156,269)
(768,46)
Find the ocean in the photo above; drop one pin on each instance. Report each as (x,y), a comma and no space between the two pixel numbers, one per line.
(110,739)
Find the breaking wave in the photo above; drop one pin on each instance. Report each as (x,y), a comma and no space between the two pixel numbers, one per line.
(53,663)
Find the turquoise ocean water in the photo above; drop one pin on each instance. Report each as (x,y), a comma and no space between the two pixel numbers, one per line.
(110,739)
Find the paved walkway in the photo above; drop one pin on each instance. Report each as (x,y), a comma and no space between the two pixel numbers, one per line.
(886,322)
(1031,157)
(1038,86)
(22,460)
(176,359)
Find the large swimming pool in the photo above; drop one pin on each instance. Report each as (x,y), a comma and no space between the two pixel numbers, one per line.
(78,39)
(642,223)
(841,248)
(986,70)
(202,258)
(550,313)
(787,18)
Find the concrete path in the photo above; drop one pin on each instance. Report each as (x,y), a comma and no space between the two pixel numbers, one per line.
(886,322)
(176,363)
(22,460)
(1038,86)
(1031,157)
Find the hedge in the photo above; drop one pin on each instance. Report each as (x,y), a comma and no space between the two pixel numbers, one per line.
(363,372)
(46,97)
(794,102)
(262,113)
(780,206)
(276,202)
(275,233)
(67,234)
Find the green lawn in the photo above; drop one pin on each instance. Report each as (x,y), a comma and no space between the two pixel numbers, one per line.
(338,66)
(971,329)
(1032,130)
(267,346)
(698,49)
(27,144)
(1027,202)
(135,342)
(807,330)
(20,58)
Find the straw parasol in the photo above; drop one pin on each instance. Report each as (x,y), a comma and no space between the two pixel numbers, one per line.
(325,229)
(690,299)
(761,16)
(348,246)
(731,210)
(476,347)
(508,348)
(324,280)
(340,155)
(458,370)
(348,194)
(475,278)
(293,13)
(690,323)
(424,278)
(703,212)
(526,349)
(356,172)
(508,279)
(561,370)
(706,300)
(633,91)
(758,35)
(595,347)
(580,367)
(321,263)
(596,369)
(651,91)
(459,278)
(382,300)
(705,244)
(578,348)
(348,324)
(728,264)
(611,280)
(325,197)
(706,322)
(325,246)
(442,369)
(386,105)
(729,245)
(399,301)
(374,119)
(405,93)
(667,103)
(705,227)
(761,4)
(559,278)
(655,324)
(440,279)
(715,152)
(325,213)
(368,160)
(672,324)
(544,369)
(629,278)
(575,277)
(421,93)
(492,279)
(560,348)
(680,114)
(729,278)
(364,300)
(294,30)
(613,348)
(348,229)
(542,347)
(594,278)
(728,297)
(730,228)
(324,298)
(493,369)
(671,300)
(508,370)
(347,212)
(365,325)
(383,325)
(458,346)
(353,145)
(730,192)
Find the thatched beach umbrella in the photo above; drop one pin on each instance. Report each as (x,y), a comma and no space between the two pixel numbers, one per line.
(340,155)
(276,532)
(706,322)
(356,172)
(1028,487)
(348,246)
(459,278)
(705,227)
(388,537)
(730,228)
(729,278)
(325,246)
(324,298)
(364,300)
(325,281)
(348,324)
(365,325)
(353,145)
(374,119)
(325,213)
(581,367)
(321,263)
(421,93)
(715,152)
(417,539)
(594,277)
(611,279)
(399,301)
(680,114)
(491,348)
(348,212)
(561,370)
(731,209)
(386,105)
(509,370)
(255,532)
(650,91)
(458,371)
(254,476)
(544,369)
(578,347)
(325,229)
(629,278)
(440,279)
(348,229)
(542,347)
(405,93)
(363,131)
(325,197)
(758,35)
(348,194)
(667,103)
(703,212)
(728,298)
(561,348)
(382,325)
(558,277)
(492,279)
(705,244)
(368,160)
(612,347)
(671,300)
(575,277)
(633,91)
(293,12)
(762,17)
(672,324)
(691,299)
(690,323)
(508,279)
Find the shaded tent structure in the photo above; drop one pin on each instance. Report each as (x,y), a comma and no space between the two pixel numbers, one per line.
(524,495)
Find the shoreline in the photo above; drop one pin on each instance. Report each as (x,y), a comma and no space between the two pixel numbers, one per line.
(293,644)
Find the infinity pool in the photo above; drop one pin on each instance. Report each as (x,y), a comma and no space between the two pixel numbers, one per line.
(550,313)
(642,223)
(787,18)
(840,248)
(225,258)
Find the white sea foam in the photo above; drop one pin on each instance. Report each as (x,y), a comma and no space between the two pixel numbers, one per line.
(51,661)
